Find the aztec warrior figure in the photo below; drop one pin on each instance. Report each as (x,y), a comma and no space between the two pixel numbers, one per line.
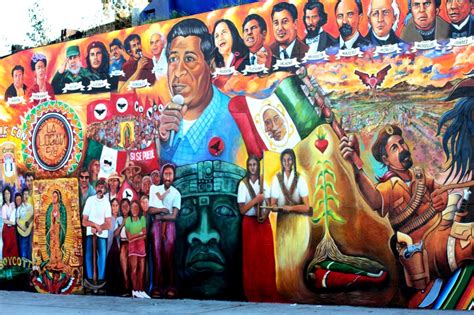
(248,154)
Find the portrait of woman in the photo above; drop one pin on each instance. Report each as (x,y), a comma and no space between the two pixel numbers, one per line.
(10,245)
(41,90)
(56,225)
(231,49)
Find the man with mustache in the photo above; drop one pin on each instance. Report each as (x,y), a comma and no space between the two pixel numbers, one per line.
(411,200)
(97,219)
(383,20)
(285,26)
(71,71)
(348,17)
(197,136)
(462,21)
(314,18)
(164,204)
(425,23)
(138,66)
(117,57)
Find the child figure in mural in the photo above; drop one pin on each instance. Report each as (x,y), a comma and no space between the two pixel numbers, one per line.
(135,226)
(56,225)
(125,211)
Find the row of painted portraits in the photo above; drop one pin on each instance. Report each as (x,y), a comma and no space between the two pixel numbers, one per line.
(252,46)
(199,184)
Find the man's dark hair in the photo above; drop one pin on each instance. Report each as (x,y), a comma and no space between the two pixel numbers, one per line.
(378,148)
(24,190)
(166,166)
(116,42)
(290,7)
(437,4)
(129,39)
(357,2)
(192,27)
(260,20)
(104,66)
(18,67)
(311,5)
(84,170)
(29,174)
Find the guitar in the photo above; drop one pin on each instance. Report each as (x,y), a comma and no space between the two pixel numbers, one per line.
(25,223)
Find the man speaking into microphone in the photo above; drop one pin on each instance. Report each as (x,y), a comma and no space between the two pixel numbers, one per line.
(195,126)
(138,67)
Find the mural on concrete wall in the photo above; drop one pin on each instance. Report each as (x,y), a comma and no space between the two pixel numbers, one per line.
(309,152)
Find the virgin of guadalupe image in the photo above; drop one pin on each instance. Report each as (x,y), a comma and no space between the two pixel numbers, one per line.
(56,225)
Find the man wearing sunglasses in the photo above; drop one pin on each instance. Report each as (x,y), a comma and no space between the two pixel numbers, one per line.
(85,188)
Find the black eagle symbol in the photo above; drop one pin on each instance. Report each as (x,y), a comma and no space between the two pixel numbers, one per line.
(100,111)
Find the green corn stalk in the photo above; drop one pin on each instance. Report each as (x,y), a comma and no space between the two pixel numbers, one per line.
(325,181)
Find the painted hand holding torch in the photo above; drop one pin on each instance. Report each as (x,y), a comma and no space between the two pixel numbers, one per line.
(352,151)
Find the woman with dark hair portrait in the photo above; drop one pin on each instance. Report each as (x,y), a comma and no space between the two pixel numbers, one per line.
(10,245)
(41,90)
(231,50)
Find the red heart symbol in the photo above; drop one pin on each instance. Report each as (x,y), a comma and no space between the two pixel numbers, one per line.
(321,145)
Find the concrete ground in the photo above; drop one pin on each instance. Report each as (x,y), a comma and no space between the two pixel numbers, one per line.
(12,303)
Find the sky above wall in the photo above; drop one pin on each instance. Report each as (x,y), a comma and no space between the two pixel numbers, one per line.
(70,14)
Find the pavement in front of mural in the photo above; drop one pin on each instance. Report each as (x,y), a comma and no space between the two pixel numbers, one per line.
(36,304)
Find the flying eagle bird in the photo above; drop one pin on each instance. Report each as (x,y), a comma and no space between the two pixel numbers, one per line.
(373,81)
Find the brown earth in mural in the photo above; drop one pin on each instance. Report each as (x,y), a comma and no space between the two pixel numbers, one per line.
(363,234)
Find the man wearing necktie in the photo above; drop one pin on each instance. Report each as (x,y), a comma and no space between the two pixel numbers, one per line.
(462,21)
(254,31)
(314,18)
(348,16)
(284,21)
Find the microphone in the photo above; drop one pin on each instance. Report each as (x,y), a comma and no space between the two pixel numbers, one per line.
(140,53)
(178,100)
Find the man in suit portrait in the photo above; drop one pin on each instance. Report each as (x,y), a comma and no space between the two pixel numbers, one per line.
(425,23)
(348,17)
(314,18)
(462,21)
(284,21)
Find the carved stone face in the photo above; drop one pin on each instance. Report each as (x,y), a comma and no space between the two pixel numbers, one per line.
(208,245)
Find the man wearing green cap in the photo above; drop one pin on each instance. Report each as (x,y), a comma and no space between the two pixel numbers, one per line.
(71,75)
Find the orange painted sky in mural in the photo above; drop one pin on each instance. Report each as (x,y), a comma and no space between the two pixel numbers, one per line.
(336,75)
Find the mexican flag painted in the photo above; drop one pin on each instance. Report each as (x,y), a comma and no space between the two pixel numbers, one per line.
(333,275)
(111,160)
(277,122)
